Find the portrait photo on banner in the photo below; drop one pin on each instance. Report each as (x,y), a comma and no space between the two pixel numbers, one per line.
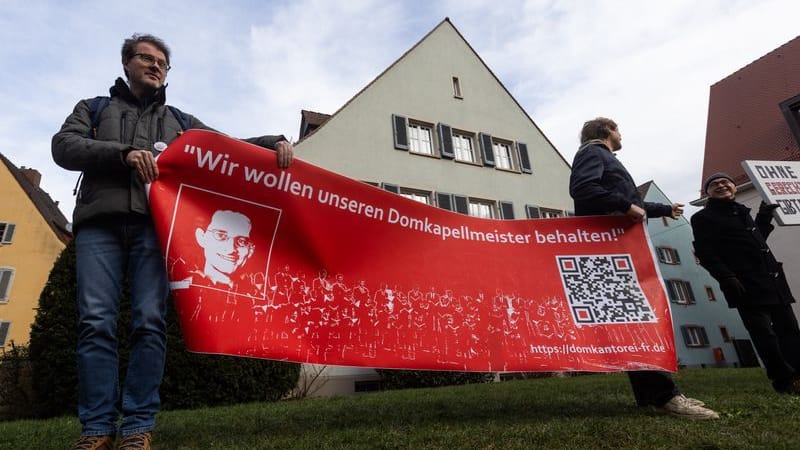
(220,243)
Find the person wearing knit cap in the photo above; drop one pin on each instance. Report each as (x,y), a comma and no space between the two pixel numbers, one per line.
(733,248)
(600,185)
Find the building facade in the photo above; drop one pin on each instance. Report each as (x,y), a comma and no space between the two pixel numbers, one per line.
(707,332)
(33,232)
(437,126)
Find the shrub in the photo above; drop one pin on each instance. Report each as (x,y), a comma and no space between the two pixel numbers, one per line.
(404,379)
(190,380)
(16,391)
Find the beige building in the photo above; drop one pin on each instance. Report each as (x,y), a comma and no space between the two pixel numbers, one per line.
(33,232)
(439,127)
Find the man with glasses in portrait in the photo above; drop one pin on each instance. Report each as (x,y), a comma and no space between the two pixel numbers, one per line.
(114,146)
(227,247)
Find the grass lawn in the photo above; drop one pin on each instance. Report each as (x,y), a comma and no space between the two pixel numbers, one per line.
(586,412)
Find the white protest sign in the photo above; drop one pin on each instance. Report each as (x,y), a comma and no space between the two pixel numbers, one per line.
(778,182)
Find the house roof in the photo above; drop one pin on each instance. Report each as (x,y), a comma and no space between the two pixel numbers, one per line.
(444,22)
(644,188)
(40,199)
(310,121)
(744,118)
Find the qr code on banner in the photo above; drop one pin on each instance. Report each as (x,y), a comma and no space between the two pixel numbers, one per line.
(603,289)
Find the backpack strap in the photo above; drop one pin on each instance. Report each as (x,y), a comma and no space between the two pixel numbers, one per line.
(96,107)
(182,117)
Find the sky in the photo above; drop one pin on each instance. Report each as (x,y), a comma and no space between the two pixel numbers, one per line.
(247,68)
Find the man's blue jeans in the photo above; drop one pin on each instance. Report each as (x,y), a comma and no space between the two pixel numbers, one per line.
(105,252)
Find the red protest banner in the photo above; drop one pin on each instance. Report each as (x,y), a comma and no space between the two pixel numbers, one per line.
(310,266)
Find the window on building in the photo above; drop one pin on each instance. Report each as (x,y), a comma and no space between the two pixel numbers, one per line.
(463,146)
(6,232)
(503,158)
(791,113)
(694,336)
(4,327)
(724,332)
(416,195)
(680,291)
(6,278)
(710,294)
(456,88)
(547,213)
(420,138)
(482,208)
(668,255)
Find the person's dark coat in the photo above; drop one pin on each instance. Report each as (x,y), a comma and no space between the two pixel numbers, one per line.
(109,187)
(729,243)
(600,185)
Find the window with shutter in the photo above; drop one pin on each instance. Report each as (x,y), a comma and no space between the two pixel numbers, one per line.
(463,147)
(420,138)
(481,208)
(416,195)
(400,132)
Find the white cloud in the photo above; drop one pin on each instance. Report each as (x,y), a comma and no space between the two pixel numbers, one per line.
(248,68)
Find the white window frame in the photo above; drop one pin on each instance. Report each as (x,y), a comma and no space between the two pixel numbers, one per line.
(548,213)
(456,88)
(5,293)
(682,290)
(482,208)
(7,232)
(420,138)
(668,255)
(694,336)
(463,146)
(503,155)
(416,195)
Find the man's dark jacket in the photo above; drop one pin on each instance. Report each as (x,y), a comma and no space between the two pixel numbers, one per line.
(729,243)
(109,186)
(600,185)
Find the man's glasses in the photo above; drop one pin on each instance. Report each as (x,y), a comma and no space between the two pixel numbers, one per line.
(238,241)
(150,59)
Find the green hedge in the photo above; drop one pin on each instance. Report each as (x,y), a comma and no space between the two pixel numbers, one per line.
(190,380)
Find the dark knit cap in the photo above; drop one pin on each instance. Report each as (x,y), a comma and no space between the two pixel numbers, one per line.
(716,176)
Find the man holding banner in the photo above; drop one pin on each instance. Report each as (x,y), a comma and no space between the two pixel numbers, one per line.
(113,142)
(600,185)
(733,248)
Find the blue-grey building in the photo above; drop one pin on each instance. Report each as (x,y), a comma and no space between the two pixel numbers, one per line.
(707,332)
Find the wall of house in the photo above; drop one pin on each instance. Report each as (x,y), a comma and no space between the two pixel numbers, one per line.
(32,253)
(358,140)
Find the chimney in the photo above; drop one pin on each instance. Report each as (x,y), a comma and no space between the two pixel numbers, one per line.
(32,175)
